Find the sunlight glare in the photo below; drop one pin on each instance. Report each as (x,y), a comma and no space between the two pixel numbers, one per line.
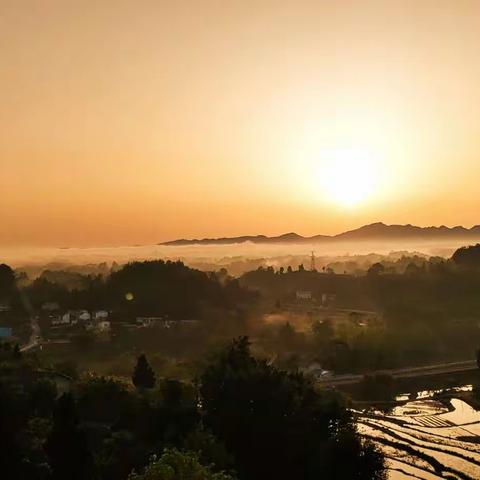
(349,176)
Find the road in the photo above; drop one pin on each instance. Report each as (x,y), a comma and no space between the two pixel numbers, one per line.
(35,337)
(437,369)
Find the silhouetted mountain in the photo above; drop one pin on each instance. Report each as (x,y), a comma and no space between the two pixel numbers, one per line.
(373,232)
(285,238)
(381,231)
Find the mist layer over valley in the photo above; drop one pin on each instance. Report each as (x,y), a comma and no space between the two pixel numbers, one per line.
(350,256)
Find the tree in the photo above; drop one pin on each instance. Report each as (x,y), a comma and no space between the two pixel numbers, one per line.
(209,449)
(172,392)
(467,256)
(322,332)
(7,282)
(41,397)
(282,427)
(289,269)
(176,465)
(376,269)
(168,288)
(102,399)
(66,446)
(287,336)
(17,354)
(12,420)
(175,416)
(143,374)
(301,268)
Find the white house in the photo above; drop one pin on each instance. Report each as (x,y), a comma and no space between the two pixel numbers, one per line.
(148,321)
(65,319)
(83,315)
(304,295)
(100,315)
(4,307)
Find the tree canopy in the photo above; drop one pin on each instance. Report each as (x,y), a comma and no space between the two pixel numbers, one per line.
(176,465)
(276,424)
(143,374)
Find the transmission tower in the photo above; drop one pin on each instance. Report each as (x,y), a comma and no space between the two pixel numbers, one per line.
(312,262)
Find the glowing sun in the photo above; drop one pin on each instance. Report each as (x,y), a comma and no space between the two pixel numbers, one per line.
(349,176)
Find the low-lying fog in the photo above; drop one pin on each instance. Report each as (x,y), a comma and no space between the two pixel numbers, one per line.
(237,258)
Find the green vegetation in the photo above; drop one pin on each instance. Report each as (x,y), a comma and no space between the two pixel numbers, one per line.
(93,406)
(176,465)
(143,375)
(282,426)
(427,311)
(241,419)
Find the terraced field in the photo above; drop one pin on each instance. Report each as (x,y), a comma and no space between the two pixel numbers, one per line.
(425,439)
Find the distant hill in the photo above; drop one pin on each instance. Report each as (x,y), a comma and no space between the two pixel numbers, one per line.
(373,232)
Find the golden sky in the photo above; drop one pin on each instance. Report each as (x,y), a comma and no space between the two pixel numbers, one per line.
(125,122)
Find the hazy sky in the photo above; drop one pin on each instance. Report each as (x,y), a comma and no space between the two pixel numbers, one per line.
(137,121)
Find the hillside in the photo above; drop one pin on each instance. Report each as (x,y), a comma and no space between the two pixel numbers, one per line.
(373,232)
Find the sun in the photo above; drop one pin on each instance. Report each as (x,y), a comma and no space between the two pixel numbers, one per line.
(349,176)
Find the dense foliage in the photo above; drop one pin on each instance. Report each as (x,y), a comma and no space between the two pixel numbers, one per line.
(428,313)
(277,424)
(176,465)
(242,416)
(143,375)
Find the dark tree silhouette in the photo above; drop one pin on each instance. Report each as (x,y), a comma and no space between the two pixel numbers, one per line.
(281,427)
(174,464)
(7,282)
(66,446)
(376,269)
(41,398)
(12,419)
(17,354)
(467,256)
(143,374)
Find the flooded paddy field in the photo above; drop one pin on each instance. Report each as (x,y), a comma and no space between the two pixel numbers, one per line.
(436,435)
(428,428)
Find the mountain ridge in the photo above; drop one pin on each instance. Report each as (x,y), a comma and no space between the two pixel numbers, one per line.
(373,231)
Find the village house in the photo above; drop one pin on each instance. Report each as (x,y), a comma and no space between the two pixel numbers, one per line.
(4,308)
(72,317)
(99,315)
(145,322)
(303,295)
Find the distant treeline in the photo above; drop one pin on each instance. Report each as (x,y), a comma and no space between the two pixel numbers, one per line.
(424,287)
(150,288)
(429,313)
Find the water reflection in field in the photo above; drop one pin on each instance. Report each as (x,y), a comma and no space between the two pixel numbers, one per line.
(427,438)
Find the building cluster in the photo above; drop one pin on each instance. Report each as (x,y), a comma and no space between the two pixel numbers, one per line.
(323,300)
(164,322)
(97,320)
(100,321)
